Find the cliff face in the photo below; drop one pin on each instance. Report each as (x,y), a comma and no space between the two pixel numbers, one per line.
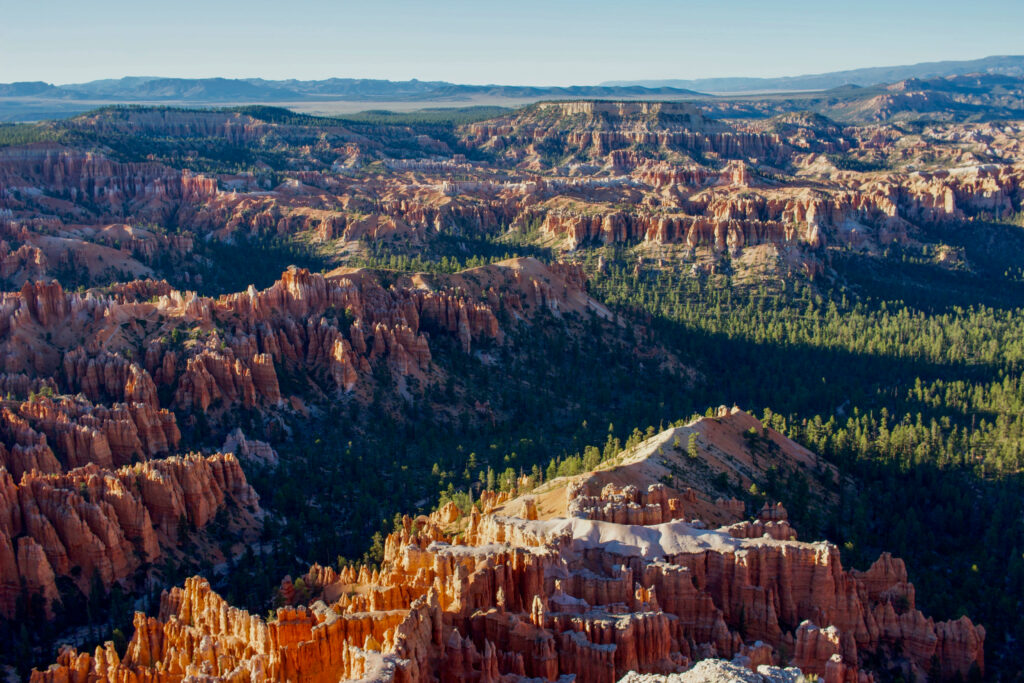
(491,595)
(93,523)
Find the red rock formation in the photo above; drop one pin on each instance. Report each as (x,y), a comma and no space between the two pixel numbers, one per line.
(815,648)
(780,531)
(505,596)
(100,524)
(249,450)
(22,264)
(541,598)
(293,323)
(773,513)
(604,127)
(26,448)
(625,506)
(108,375)
(91,177)
(692,180)
(78,433)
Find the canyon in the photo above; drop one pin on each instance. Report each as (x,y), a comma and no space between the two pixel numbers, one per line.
(234,343)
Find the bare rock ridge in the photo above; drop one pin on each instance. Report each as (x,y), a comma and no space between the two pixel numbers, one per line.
(490,596)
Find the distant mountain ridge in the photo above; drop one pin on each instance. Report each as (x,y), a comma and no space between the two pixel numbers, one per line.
(152,88)
(1007,65)
(148,89)
(981,89)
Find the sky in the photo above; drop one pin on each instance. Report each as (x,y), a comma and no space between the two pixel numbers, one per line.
(536,42)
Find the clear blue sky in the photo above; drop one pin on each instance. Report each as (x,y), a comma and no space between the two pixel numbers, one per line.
(480,41)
